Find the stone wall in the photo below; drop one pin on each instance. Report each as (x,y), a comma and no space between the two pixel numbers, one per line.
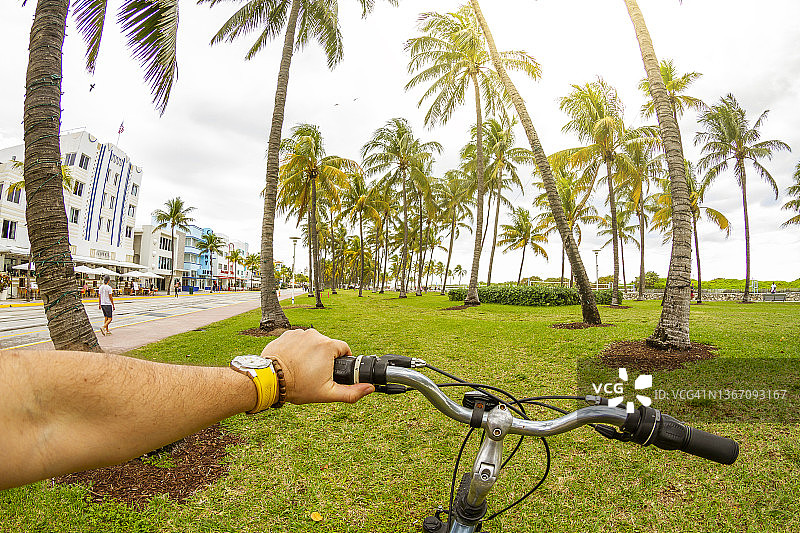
(714,296)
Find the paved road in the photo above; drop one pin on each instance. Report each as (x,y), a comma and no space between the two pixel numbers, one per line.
(26,325)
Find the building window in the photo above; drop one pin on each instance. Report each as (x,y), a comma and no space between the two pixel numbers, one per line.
(84,163)
(134,189)
(165,243)
(9,229)
(128,232)
(74,215)
(108,225)
(165,263)
(116,178)
(1,189)
(77,190)
(69,159)
(103,201)
(101,222)
(111,204)
(13,195)
(131,210)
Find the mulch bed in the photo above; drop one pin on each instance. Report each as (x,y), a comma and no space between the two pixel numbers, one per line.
(579,325)
(645,358)
(618,306)
(457,307)
(198,463)
(277,332)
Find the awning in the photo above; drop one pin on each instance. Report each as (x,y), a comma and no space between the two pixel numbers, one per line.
(25,266)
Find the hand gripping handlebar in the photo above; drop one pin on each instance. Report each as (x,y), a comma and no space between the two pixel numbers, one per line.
(645,426)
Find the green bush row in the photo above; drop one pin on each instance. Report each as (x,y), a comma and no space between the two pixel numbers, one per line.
(530,295)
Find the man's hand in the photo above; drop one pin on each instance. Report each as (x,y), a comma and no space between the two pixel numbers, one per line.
(307,361)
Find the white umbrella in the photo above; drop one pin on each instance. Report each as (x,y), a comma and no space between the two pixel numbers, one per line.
(83,269)
(104,270)
(25,266)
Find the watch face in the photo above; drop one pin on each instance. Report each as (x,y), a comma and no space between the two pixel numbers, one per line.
(251,361)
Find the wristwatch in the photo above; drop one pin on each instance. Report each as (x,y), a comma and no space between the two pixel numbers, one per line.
(264,375)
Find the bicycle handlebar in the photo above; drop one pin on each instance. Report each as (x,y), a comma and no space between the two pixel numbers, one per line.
(645,426)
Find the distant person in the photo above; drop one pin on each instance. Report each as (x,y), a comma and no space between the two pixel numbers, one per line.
(773,288)
(135,288)
(177,287)
(214,286)
(85,289)
(106,302)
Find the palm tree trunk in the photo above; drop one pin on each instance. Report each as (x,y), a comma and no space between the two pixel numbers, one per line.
(622,260)
(486,227)
(405,240)
(45,214)
(494,238)
(746,297)
(614,235)
(333,256)
(588,306)
(472,290)
(421,249)
(672,330)
(361,255)
(272,315)
(449,252)
(172,265)
(385,254)
(641,248)
(519,276)
(315,245)
(697,255)
(561,279)
(311,267)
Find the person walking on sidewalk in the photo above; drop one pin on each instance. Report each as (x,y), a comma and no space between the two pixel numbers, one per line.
(106,303)
(177,287)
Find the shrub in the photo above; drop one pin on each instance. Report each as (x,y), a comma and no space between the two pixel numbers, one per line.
(521,295)
(604,297)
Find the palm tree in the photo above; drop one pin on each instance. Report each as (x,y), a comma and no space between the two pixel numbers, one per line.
(520,234)
(176,215)
(454,193)
(212,244)
(672,330)
(394,149)
(151,33)
(729,138)
(625,232)
(357,202)
(252,263)
(235,257)
(459,271)
(794,203)
(305,169)
(662,216)
(588,306)
(596,116)
(450,56)
(318,20)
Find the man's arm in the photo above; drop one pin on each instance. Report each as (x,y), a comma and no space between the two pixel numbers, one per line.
(63,412)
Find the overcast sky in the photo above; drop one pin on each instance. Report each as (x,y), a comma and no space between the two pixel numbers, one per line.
(209,147)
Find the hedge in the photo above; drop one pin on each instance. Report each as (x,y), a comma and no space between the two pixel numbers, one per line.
(534,295)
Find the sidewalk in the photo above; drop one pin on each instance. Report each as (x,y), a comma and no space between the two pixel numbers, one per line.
(130,336)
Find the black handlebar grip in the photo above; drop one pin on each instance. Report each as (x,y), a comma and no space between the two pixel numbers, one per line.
(344,370)
(712,447)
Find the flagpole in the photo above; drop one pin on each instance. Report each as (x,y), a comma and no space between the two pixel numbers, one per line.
(121,129)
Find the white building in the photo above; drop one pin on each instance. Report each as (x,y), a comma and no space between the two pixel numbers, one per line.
(101,205)
(153,248)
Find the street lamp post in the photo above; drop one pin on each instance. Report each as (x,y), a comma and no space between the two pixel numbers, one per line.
(596,270)
(294,254)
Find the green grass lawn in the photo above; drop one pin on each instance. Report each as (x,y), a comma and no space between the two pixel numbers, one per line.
(382,465)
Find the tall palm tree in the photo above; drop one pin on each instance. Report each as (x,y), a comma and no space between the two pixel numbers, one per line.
(252,263)
(176,215)
(672,330)
(235,257)
(588,305)
(212,244)
(459,271)
(357,202)
(454,193)
(151,32)
(596,116)
(729,138)
(306,168)
(451,56)
(520,234)
(395,150)
(304,20)
(625,232)
(662,216)
(794,203)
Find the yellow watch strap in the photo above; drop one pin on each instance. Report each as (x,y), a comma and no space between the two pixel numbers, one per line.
(266,389)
